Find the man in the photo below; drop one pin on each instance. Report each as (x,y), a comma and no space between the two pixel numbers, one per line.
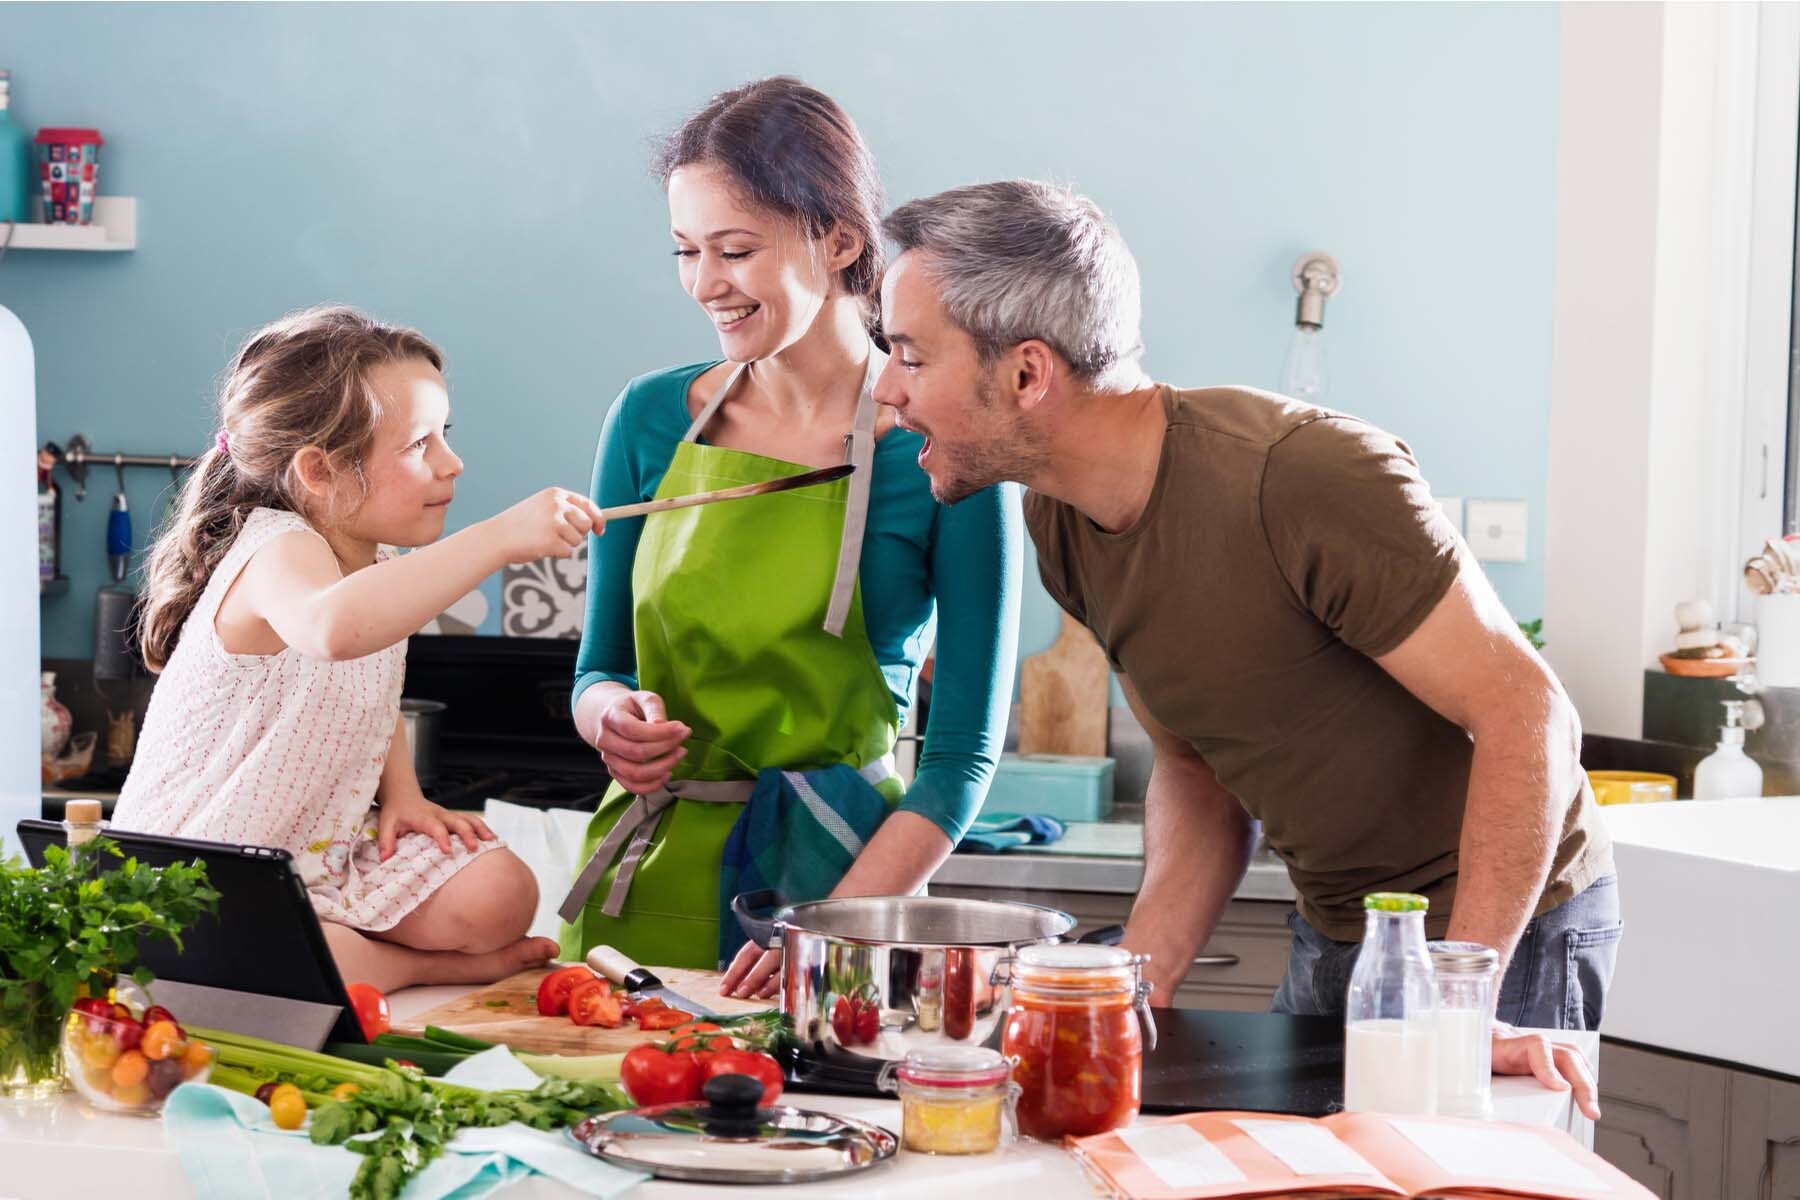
(1304,636)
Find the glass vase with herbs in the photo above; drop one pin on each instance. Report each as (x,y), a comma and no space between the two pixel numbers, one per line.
(70,929)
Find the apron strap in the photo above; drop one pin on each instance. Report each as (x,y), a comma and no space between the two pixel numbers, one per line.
(642,820)
(856,509)
(712,406)
(860,452)
(638,825)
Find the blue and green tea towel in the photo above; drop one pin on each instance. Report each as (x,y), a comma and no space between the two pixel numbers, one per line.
(1006,831)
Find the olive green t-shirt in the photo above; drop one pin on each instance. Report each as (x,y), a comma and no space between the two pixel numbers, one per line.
(1283,549)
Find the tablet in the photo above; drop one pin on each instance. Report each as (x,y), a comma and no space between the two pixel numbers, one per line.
(260,966)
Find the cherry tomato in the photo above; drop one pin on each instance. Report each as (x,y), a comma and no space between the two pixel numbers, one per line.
(97,1011)
(662,1018)
(758,1066)
(288,1107)
(868,1022)
(694,1036)
(553,992)
(592,1002)
(264,1091)
(344,1091)
(162,1040)
(408,1063)
(127,1033)
(157,1012)
(843,1021)
(131,1068)
(371,1009)
(652,1075)
(197,1059)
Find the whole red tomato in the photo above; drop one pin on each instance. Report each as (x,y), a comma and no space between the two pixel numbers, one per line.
(758,1066)
(868,1022)
(371,1008)
(843,1021)
(652,1075)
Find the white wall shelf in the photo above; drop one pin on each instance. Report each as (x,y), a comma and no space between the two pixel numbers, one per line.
(114,228)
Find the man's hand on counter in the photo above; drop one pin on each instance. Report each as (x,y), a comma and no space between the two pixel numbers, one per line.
(1557,1066)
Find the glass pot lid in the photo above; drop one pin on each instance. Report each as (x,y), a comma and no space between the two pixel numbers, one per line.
(727,1138)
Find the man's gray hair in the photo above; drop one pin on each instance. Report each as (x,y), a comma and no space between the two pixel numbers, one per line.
(1020,259)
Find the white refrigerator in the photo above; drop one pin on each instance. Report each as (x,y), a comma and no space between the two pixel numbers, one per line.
(21,793)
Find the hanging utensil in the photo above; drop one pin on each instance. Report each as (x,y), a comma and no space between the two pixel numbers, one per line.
(118,527)
(808,479)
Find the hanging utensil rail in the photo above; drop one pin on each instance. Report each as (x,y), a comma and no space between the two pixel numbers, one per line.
(77,455)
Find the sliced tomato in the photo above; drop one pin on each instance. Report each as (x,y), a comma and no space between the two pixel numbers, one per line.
(592,1003)
(553,992)
(662,1018)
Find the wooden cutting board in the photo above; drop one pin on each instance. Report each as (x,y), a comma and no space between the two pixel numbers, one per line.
(517,1024)
(1064,694)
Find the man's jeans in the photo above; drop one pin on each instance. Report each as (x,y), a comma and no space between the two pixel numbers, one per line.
(1557,980)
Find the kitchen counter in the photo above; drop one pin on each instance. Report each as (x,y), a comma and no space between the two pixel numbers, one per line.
(65,1148)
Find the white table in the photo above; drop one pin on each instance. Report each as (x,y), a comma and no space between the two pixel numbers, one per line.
(64,1148)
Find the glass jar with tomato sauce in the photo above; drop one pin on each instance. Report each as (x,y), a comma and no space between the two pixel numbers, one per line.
(1074,1038)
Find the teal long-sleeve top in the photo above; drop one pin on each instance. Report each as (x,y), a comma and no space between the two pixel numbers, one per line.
(926,568)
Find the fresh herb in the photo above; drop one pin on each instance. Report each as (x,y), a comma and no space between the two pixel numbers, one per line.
(70,925)
(410,1117)
(494,1004)
(1533,631)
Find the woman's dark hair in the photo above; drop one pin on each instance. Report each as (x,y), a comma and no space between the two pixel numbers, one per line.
(791,150)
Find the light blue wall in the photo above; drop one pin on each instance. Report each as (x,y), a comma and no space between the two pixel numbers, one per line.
(480,172)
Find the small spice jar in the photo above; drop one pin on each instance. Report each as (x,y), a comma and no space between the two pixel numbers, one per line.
(1074,1038)
(953,1099)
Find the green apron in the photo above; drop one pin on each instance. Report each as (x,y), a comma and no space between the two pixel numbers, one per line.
(748,623)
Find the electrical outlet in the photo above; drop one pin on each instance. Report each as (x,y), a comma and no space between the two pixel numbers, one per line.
(1495,529)
(1452,507)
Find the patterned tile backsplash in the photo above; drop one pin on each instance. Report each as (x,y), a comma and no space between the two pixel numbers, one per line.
(546,598)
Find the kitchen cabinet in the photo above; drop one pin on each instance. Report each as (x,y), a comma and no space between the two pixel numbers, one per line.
(1239,969)
(1694,1130)
(1663,1120)
(1763,1140)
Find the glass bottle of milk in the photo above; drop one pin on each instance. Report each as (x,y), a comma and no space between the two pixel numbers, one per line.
(1390,1021)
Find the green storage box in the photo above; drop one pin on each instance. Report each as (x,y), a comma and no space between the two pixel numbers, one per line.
(1069,787)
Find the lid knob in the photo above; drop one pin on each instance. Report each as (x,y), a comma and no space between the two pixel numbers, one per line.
(731,1104)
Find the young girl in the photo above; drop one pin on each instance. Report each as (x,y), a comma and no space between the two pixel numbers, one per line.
(279,626)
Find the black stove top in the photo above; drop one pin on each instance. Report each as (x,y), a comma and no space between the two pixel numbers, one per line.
(506,732)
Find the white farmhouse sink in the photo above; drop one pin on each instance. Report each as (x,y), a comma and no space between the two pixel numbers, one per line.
(1710,961)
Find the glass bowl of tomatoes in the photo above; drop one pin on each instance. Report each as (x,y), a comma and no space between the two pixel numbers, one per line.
(127,1058)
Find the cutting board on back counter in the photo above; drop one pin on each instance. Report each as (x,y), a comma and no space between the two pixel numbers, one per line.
(1064,695)
(507,1012)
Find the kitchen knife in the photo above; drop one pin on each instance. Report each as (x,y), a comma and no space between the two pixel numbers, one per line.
(805,479)
(640,981)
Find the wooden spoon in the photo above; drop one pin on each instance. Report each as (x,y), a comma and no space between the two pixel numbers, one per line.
(808,479)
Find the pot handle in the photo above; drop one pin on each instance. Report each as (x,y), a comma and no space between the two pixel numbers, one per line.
(760,930)
(1106,935)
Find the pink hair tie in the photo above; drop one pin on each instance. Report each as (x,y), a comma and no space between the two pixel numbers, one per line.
(223,442)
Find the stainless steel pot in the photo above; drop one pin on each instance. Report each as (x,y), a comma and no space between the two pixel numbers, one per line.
(420,719)
(922,963)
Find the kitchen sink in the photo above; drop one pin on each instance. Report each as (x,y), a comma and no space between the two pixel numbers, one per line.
(1710,892)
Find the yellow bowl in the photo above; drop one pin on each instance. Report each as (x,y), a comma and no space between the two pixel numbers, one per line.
(1631,787)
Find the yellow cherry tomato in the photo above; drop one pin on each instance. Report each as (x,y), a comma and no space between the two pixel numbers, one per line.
(100,1053)
(196,1059)
(131,1068)
(344,1091)
(132,1094)
(287,1107)
(162,1040)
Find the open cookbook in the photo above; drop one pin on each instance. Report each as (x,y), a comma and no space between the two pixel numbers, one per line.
(1227,1154)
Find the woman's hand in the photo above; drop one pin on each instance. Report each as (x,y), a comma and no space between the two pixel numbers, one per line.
(416,814)
(550,524)
(638,742)
(753,972)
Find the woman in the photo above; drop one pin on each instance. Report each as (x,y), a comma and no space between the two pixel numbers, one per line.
(744,666)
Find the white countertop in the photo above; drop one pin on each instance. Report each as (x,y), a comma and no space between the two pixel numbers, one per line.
(64,1148)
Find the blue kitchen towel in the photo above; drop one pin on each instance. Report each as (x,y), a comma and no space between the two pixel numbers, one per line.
(231,1149)
(1005,831)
